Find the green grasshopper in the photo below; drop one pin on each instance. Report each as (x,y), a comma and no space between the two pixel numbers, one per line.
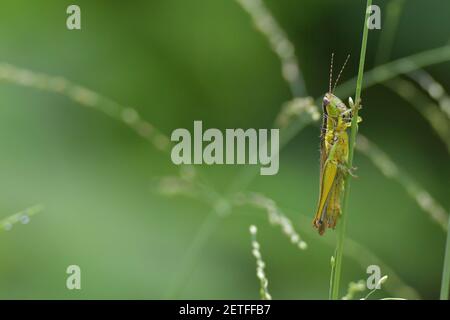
(337,118)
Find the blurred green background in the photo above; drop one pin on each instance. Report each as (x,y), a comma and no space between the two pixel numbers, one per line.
(178,61)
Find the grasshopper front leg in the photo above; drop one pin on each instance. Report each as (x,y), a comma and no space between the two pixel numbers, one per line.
(347,171)
(353,108)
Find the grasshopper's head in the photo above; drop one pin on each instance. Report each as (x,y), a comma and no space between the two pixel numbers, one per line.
(332,105)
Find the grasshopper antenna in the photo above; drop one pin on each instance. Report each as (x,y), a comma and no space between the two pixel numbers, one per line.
(331,72)
(340,72)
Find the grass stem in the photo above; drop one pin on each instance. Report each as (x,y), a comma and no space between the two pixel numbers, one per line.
(445,283)
(352,139)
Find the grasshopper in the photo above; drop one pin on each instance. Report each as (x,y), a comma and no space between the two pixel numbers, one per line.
(337,117)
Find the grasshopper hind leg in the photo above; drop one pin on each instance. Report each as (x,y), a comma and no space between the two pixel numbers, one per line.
(322,216)
(334,203)
(322,223)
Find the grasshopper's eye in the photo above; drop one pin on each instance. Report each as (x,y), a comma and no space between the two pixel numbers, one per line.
(325,101)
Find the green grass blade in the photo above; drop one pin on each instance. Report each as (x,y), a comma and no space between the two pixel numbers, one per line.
(352,139)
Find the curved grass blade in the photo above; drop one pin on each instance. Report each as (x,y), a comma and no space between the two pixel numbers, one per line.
(392,171)
(279,42)
(22,217)
(85,97)
(433,88)
(397,67)
(427,108)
